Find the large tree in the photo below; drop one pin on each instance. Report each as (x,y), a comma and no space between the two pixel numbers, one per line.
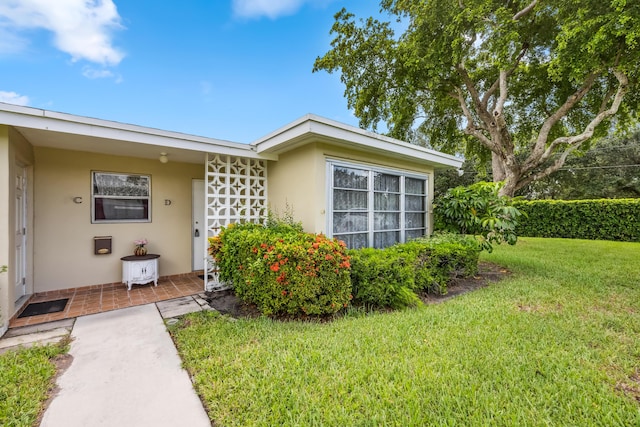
(528,82)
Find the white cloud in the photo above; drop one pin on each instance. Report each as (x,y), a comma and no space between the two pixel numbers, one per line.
(92,73)
(13,98)
(81,28)
(270,8)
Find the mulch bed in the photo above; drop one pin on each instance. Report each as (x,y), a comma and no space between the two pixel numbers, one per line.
(487,274)
(226,302)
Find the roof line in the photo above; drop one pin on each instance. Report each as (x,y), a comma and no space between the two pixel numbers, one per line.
(313,124)
(38,113)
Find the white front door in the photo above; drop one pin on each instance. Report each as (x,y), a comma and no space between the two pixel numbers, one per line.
(20,266)
(198,226)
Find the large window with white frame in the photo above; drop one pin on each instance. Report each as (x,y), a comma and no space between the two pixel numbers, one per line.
(375,207)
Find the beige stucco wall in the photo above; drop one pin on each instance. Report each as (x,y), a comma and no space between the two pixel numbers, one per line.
(5,241)
(64,254)
(14,150)
(294,186)
(298,180)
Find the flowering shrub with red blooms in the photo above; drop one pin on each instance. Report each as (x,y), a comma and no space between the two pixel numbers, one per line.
(283,270)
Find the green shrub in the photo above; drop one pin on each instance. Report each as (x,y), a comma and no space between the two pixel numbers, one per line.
(282,270)
(606,219)
(382,278)
(440,258)
(478,210)
(391,277)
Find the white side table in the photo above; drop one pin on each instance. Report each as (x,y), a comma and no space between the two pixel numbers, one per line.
(140,269)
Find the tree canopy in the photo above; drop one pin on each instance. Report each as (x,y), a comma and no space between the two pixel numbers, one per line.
(526,82)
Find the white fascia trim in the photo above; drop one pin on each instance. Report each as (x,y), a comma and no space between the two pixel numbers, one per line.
(15,115)
(322,127)
(274,139)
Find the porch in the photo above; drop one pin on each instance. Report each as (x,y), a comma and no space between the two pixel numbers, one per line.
(111,296)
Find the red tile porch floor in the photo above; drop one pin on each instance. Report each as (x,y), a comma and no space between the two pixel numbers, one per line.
(111,296)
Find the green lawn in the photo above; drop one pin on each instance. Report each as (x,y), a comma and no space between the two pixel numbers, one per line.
(26,376)
(557,343)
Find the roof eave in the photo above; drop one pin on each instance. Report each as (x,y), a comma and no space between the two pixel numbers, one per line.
(312,127)
(33,118)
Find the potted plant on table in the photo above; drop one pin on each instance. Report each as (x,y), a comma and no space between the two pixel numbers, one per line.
(140,250)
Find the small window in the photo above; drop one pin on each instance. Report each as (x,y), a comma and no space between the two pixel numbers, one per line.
(118,197)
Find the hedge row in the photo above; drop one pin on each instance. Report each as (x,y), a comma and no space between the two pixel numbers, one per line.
(606,219)
(283,270)
(391,277)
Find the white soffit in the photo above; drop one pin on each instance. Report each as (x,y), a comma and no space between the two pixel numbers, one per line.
(66,131)
(312,128)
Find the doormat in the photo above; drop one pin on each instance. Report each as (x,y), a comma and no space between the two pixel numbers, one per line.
(37,308)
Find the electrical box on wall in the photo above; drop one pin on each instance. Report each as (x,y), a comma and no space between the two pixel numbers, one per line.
(102,245)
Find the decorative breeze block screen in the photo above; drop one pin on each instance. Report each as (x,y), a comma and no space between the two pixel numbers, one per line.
(236,191)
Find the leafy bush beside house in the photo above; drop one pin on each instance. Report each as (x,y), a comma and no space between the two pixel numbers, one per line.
(393,276)
(282,270)
(383,278)
(441,258)
(478,210)
(285,271)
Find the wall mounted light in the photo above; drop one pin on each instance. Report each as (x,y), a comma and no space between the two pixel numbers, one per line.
(164,158)
(77,200)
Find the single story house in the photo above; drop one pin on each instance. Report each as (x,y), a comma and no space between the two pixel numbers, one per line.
(76,192)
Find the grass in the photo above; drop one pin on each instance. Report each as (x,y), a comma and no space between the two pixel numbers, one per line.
(555,344)
(26,377)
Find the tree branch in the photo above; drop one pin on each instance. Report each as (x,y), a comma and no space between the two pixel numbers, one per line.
(525,10)
(472,129)
(497,111)
(496,84)
(576,140)
(481,108)
(539,147)
(548,171)
(605,100)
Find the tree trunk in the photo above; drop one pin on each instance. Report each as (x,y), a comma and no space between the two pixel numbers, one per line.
(510,185)
(497,166)
(501,172)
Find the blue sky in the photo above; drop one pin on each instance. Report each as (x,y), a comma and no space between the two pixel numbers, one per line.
(227,69)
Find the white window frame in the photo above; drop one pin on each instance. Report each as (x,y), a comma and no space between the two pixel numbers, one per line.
(144,188)
(371,170)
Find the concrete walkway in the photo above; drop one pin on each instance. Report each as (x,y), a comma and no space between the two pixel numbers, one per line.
(125,372)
